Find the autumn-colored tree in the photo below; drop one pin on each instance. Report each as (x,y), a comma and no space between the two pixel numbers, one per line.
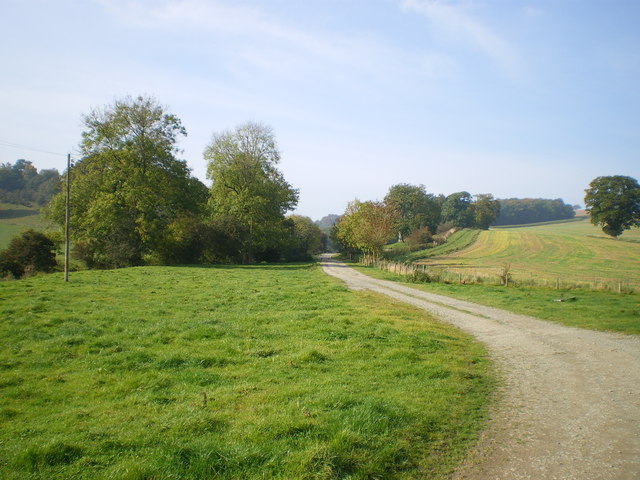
(367,226)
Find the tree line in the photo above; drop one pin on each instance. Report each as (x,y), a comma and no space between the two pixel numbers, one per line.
(22,183)
(134,202)
(414,216)
(518,211)
(409,213)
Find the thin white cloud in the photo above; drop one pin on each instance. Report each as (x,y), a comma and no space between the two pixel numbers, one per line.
(533,12)
(255,38)
(455,22)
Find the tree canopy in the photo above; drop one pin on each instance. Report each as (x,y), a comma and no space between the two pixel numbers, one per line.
(517,211)
(485,210)
(457,209)
(416,208)
(614,203)
(22,184)
(367,226)
(128,187)
(248,188)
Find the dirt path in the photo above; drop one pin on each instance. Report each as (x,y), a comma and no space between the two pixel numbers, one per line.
(570,406)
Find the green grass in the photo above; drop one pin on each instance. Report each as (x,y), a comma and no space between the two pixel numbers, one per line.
(573,251)
(458,241)
(16,218)
(595,310)
(104,378)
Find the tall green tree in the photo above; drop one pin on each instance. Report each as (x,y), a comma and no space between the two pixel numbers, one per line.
(304,240)
(485,210)
(416,208)
(458,209)
(613,202)
(129,184)
(247,186)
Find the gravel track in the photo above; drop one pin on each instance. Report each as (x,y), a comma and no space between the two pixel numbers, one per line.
(569,407)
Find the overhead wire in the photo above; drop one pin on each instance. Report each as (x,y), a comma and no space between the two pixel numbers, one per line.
(25,147)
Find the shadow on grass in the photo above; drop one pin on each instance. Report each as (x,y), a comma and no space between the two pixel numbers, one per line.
(270,266)
(10,214)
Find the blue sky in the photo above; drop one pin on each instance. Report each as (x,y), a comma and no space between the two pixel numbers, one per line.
(518,98)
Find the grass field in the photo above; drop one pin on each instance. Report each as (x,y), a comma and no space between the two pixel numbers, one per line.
(573,251)
(16,218)
(106,377)
(458,241)
(595,310)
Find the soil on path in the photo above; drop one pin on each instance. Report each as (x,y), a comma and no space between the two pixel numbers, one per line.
(570,402)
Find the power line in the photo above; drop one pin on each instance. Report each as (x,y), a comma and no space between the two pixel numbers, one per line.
(25,147)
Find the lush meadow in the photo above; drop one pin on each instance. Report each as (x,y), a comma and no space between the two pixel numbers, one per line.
(229,372)
(570,253)
(16,218)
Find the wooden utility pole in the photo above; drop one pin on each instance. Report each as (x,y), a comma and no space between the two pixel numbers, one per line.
(66,221)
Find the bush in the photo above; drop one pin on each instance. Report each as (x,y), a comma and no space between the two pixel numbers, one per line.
(420,276)
(31,252)
(419,239)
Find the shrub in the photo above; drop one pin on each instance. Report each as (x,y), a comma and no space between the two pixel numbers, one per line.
(31,251)
(419,276)
(419,239)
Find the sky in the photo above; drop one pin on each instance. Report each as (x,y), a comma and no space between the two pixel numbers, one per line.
(517,98)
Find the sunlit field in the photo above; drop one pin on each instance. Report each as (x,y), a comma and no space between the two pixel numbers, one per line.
(229,372)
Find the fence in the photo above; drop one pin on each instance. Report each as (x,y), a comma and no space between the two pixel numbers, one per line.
(499,276)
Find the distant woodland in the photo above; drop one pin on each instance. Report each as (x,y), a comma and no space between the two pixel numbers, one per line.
(517,211)
(22,184)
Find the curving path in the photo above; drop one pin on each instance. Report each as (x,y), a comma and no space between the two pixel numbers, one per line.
(570,406)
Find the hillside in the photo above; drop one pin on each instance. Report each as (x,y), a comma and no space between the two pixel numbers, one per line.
(16,218)
(574,251)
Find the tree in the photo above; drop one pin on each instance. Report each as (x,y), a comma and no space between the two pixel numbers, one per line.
(458,210)
(516,211)
(128,186)
(416,208)
(614,203)
(419,239)
(30,251)
(367,226)
(305,238)
(485,210)
(248,187)
(21,183)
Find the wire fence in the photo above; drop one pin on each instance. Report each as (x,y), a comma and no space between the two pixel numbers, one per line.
(504,275)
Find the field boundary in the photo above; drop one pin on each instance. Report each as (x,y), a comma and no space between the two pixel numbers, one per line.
(474,275)
(539,224)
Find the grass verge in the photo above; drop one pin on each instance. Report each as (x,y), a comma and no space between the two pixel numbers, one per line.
(595,310)
(229,372)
